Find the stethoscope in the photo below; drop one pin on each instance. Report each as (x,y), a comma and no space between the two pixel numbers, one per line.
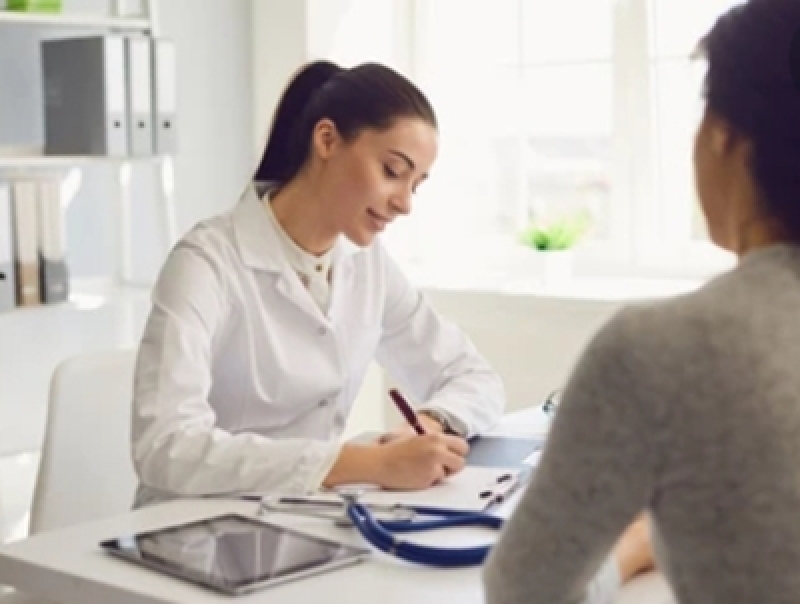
(382,533)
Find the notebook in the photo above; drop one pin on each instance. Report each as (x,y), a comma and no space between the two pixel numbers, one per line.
(489,451)
(504,452)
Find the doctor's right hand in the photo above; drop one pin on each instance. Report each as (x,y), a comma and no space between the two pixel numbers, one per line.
(419,461)
(406,463)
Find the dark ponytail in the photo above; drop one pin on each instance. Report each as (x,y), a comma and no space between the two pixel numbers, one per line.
(753,52)
(369,96)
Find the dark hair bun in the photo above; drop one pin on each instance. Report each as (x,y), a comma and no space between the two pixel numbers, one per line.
(753,54)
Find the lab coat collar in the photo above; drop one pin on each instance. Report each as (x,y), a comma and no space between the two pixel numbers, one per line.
(259,244)
(261,249)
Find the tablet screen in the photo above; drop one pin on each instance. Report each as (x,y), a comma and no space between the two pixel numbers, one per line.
(232,552)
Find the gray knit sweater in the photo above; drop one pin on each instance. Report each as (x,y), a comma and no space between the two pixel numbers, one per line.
(691,408)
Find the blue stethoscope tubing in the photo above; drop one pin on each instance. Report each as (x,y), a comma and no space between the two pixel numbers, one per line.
(379,533)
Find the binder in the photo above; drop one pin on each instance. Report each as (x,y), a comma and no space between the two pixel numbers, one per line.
(165,106)
(139,96)
(8,278)
(26,243)
(84,96)
(53,272)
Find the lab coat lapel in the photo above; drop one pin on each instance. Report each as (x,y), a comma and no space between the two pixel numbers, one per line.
(260,249)
(290,287)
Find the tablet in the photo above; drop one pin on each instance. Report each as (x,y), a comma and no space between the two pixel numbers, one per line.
(233,554)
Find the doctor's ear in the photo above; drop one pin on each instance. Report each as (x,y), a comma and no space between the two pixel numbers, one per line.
(325,138)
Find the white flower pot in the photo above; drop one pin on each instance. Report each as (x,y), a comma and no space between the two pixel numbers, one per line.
(557,266)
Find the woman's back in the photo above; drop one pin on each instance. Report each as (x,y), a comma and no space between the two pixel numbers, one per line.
(726,403)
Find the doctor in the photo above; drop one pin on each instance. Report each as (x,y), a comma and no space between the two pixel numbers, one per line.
(265,318)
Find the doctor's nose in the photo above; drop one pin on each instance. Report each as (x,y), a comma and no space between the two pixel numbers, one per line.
(401,203)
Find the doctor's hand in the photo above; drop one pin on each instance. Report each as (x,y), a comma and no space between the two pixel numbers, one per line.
(419,461)
(431,426)
(405,463)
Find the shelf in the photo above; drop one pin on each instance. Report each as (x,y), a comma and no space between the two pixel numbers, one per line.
(65,161)
(74,20)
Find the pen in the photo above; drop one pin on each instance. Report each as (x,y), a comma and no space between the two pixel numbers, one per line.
(402,404)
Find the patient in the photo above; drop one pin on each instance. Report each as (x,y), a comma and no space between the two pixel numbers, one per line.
(690,408)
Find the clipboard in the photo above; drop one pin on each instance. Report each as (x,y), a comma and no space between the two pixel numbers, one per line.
(474,489)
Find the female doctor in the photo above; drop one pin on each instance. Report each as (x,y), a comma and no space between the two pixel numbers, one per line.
(265,318)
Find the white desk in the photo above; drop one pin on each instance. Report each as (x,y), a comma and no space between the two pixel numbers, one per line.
(67,566)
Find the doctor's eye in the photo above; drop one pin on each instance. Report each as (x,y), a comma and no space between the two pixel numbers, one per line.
(389,172)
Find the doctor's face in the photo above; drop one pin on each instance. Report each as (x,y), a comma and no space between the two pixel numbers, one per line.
(369,181)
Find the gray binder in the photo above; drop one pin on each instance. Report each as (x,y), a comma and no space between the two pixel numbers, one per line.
(8,279)
(139,95)
(165,106)
(84,96)
(53,273)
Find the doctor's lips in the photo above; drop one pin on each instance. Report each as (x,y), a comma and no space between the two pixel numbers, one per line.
(379,220)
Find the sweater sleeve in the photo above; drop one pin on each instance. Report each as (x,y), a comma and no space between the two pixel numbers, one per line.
(595,475)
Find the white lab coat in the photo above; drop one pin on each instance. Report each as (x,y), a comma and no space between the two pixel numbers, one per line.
(242,384)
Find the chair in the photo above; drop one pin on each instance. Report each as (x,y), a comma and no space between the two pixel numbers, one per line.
(86,472)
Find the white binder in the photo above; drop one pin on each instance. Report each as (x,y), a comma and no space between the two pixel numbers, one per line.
(8,283)
(139,91)
(26,237)
(165,106)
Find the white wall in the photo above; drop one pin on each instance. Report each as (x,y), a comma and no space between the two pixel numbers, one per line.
(288,33)
(279,48)
(532,342)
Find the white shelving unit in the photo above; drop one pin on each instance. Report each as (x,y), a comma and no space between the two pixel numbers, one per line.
(79,21)
(33,165)
(32,162)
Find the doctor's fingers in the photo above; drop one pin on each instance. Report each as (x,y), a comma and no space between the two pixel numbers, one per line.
(455,444)
(450,462)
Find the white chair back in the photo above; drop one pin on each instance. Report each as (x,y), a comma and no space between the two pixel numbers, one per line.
(86,472)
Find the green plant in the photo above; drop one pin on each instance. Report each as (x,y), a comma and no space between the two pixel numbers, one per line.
(556,234)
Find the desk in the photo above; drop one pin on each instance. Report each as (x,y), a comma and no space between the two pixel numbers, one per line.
(67,566)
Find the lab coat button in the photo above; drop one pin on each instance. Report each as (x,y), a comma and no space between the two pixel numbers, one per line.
(323,403)
(322,331)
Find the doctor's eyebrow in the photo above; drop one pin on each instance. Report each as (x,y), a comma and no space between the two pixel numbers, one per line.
(408,160)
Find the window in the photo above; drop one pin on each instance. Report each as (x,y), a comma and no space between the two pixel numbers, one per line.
(675,26)
(550,108)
